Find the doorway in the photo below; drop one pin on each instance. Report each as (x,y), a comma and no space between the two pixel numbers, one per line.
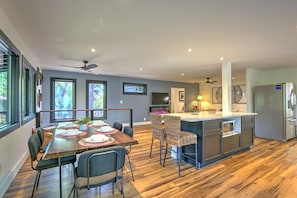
(177,100)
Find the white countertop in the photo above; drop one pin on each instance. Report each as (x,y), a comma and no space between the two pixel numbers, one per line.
(201,116)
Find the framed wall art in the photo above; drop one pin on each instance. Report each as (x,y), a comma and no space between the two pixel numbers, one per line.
(134,88)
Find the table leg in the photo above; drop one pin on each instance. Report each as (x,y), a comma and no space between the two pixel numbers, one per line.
(60,176)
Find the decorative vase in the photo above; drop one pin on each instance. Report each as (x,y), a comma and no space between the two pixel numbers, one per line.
(83,127)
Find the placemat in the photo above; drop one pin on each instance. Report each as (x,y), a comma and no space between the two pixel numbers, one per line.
(72,136)
(82,142)
(106,133)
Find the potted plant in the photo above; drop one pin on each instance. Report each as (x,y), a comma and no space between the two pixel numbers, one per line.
(83,123)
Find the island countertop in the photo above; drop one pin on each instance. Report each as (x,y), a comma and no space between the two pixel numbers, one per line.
(202,116)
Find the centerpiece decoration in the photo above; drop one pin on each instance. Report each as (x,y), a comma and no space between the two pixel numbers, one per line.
(83,123)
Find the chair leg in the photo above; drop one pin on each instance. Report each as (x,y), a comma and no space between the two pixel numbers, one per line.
(38,179)
(179,159)
(36,183)
(130,166)
(166,150)
(196,157)
(160,152)
(151,146)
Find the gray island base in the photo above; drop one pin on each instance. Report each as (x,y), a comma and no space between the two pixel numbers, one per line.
(213,143)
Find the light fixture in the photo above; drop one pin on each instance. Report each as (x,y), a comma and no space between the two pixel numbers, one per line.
(93,50)
(222,58)
(190,50)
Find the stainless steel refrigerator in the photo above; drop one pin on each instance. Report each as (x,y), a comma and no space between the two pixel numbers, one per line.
(275,105)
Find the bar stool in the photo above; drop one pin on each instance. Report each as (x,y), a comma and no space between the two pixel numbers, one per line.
(158,132)
(179,138)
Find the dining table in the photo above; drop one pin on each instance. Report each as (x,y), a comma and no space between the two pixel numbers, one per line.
(67,141)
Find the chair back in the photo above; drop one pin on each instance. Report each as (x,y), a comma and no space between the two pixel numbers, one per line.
(172,125)
(40,134)
(128,130)
(34,146)
(99,162)
(118,126)
(157,129)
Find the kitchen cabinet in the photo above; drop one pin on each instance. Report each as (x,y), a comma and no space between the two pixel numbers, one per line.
(212,141)
(247,131)
(231,144)
(212,146)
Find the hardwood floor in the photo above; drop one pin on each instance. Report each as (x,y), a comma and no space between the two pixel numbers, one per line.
(268,169)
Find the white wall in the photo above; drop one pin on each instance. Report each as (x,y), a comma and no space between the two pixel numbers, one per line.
(13,147)
(266,77)
(206,91)
(176,105)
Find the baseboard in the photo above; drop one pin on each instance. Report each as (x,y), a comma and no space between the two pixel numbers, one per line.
(5,183)
(137,123)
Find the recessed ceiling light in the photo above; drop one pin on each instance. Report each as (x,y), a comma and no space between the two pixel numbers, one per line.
(182,74)
(221,58)
(190,50)
(140,68)
(93,50)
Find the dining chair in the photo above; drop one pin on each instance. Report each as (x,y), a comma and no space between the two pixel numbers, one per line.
(118,126)
(158,132)
(99,167)
(38,164)
(40,134)
(129,131)
(179,138)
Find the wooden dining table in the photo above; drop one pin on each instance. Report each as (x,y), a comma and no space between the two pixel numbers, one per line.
(62,146)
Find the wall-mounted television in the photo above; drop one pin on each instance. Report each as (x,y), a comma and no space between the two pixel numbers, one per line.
(160,98)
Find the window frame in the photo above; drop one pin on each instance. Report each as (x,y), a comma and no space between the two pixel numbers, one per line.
(28,91)
(14,91)
(104,100)
(52,99)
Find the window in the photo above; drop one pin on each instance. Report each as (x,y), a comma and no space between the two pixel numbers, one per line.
(28,91)
(63,98)
(96,98)
(9,86)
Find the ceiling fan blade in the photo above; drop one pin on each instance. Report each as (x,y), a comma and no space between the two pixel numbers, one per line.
(91,66)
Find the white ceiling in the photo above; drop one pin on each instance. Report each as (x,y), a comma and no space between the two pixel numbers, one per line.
(156,34)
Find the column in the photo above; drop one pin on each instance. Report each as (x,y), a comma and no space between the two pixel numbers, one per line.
(226,87)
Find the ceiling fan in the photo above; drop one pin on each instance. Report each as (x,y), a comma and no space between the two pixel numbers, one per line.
(85,67)
(208,80)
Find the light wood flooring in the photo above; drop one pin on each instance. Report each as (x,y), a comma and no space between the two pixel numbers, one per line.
(268,169)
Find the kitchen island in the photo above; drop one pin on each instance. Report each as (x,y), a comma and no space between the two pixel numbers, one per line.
(213,144)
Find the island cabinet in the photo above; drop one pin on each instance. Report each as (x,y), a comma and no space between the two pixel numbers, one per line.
(231,144)
(247,131)
(209,138)
(213,145)
(211,141)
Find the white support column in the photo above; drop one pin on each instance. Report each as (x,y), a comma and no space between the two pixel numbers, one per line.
(226,87)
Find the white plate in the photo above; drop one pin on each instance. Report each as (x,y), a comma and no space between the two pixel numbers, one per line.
(97,138)
(105,129)
(71,132)
(98,124)
(69,125)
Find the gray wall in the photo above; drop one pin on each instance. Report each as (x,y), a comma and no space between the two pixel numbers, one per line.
(139,103)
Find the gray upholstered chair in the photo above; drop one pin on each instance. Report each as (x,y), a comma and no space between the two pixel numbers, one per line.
(40,134)
(179,138)
(38,164)
(99,167)
(129,131)
(118,126)
(158,132)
